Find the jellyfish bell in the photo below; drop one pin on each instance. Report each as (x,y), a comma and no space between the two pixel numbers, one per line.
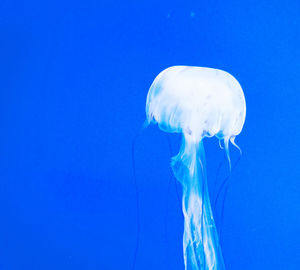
(197,102)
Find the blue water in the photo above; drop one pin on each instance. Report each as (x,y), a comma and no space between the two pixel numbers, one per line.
(73,85)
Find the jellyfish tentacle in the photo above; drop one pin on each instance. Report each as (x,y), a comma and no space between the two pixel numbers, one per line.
(225,187)
(171,179)
(133,143)
(175,183)
(226,146)
(232,140)
(137,202)
(220,144)
(214,191)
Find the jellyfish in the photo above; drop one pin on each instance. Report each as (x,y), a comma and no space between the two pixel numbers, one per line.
(197,102)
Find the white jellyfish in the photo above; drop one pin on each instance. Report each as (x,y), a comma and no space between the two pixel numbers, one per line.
(197,102)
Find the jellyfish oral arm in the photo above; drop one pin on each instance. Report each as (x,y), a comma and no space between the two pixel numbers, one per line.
(201,248)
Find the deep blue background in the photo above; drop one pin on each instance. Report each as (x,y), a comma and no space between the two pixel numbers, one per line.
(74,76)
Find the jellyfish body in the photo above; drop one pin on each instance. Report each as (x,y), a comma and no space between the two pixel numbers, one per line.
(197,102)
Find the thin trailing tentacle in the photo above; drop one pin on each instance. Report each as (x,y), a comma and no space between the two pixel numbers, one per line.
(226,146)
(167,197)
(216,179)
(175,182)
(136,196)
(233,142)
(224,188)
